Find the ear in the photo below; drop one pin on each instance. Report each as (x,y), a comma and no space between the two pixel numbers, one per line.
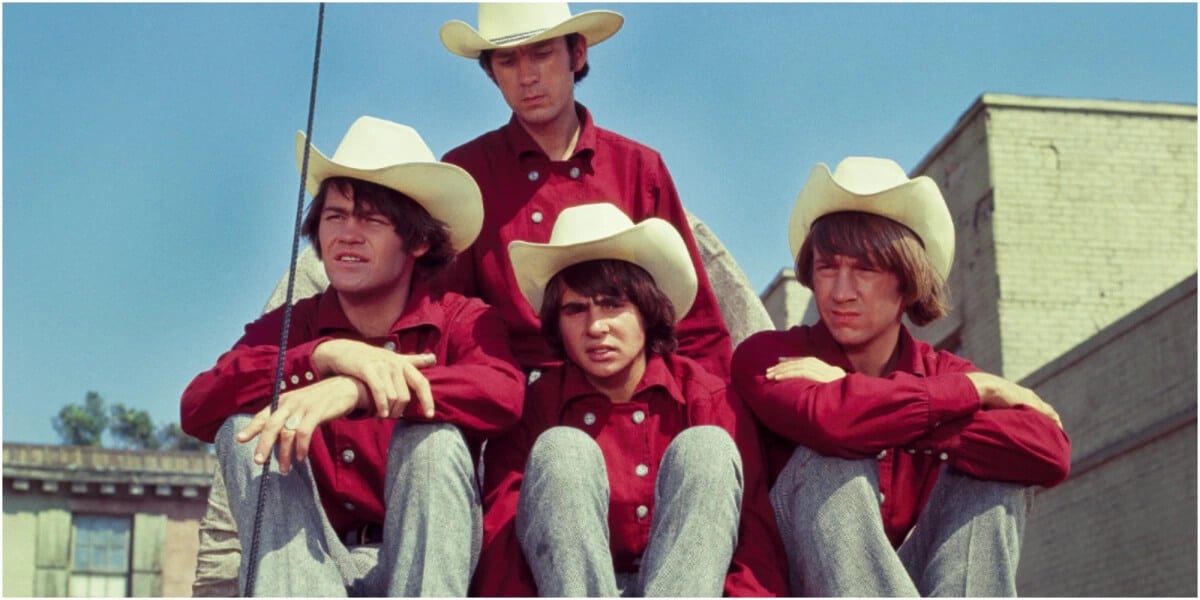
(579,54)
(419,250)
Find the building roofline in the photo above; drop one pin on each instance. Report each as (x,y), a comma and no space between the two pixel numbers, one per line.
(781,277)
(81,463)
(1162,109)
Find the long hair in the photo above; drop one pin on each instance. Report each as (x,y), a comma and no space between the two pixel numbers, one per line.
(485,59)
(884,244)
(616,278)
(411,221)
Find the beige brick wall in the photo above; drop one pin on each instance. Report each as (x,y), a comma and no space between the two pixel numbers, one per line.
(1124,523)
(1094,214)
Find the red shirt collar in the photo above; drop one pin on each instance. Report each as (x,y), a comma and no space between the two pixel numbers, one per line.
(419,311)
(658,375)
(522,143)
(909,361)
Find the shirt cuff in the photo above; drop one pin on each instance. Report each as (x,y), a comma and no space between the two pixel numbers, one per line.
(951,396)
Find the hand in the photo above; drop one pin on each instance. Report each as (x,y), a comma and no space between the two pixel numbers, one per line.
(392,379)
(997,392)
(805,367)
(311,405)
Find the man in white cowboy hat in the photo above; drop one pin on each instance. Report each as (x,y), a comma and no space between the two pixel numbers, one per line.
(897,469)
(549,157)
(389,387)
(633,470)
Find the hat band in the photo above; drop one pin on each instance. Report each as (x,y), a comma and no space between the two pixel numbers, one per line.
(515,36)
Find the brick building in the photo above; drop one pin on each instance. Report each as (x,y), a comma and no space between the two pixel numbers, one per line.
(1074,273)
(82,521)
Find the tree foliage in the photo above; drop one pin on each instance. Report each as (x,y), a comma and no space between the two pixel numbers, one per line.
(82,425)
(128,428)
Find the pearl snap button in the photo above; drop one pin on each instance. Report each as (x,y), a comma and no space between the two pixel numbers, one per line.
(347,456)
(943,456)
(641,470)
(308,375)
(533,175)
(349,506)
(574,172)
(882,454)
(537,217)
(295,379)
(389,345)
(589,419)
(638,416)
(642,511)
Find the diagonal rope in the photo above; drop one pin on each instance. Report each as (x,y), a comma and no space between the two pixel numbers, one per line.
(252,568)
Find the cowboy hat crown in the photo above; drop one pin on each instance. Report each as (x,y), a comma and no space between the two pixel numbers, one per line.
(878,186)
(395,156)
(601,231)
(509,24)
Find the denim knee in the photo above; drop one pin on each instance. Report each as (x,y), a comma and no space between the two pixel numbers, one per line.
(705,453)
(432,442)
(567,455)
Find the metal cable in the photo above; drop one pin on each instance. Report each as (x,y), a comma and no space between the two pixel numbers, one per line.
(252,568)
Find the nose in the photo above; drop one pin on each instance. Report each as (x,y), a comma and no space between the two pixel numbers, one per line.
(597,324)
(843,286)
(350,231)
(526,71)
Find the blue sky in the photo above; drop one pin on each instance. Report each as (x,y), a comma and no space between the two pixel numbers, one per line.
(149,182)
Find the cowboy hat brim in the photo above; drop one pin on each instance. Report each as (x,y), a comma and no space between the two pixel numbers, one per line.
(654,244)
(916,204)
(447,192)
(595,26)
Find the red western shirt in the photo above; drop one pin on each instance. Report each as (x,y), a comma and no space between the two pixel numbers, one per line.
(675,393)
(477,386)
(921,415)
(524,191)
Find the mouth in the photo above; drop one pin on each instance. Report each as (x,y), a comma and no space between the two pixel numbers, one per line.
(347,258)
(599,353)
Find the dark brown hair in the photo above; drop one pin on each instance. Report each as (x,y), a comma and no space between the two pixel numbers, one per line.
(615,278)
(411,221)
(485,59)
(884,244)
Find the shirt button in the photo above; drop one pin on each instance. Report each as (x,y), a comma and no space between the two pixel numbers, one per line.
(295,379)
(641,470)
(389,346)
(912,450)
(881,497)
(349,506)
(589,419)
(537,216)
(638,416)
(533,175)
(937,424)
(943,456)
(347,455)
(282,385)
(882,454)
(574,172)
(308,376)
(642,511)
(928,452)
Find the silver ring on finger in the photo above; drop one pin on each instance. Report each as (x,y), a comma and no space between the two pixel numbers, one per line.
(292,423)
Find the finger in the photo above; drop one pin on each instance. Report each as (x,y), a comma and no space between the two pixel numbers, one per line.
(284,452)
(383,393)
(255,425)
(420,386)
(268,436)
(424,361)
(303,439)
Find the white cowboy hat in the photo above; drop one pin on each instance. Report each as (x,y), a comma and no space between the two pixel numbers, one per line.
(602,231)
(505,24)
(395,156)
(877,186)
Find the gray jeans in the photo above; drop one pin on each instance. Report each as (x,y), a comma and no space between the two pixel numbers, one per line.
(966,542)
(562,517)
(432,529)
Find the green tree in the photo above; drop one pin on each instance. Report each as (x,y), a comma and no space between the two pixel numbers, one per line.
(132,428)
(173,438)
(82,425)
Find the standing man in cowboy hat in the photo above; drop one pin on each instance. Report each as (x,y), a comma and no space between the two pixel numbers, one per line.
(633,470)
(897,469)
(549,157)
(389,386)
